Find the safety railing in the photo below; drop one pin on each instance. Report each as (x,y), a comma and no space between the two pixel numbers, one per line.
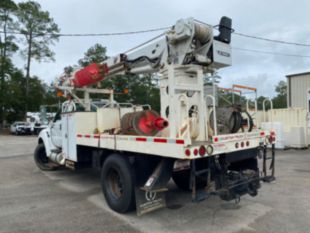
(264,109)
(248,110)
(184,129)
(214,115)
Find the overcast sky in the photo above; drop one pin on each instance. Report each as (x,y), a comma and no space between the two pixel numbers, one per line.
(278,19)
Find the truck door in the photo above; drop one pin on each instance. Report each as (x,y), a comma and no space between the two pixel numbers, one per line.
(56,130)
(69,136)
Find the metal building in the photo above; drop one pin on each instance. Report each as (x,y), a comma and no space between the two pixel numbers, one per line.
(298,87)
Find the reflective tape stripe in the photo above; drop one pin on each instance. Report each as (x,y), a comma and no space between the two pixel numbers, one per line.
(138,139)
(179,141)
(161,140)
(141,139)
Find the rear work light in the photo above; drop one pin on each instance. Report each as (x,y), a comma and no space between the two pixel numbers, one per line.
(209,150)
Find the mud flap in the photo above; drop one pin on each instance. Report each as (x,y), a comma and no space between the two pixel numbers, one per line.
(151,196)
(147,201)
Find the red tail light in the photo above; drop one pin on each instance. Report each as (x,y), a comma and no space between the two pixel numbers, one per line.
(196,152)
(188,152)
(202,151)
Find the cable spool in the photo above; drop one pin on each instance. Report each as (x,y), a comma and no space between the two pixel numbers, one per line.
(147,123)
(230,120)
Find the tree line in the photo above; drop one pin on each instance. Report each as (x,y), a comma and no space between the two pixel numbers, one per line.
(278,101)
(35,32)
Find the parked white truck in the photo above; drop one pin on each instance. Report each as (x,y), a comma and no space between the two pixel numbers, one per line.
(202,147)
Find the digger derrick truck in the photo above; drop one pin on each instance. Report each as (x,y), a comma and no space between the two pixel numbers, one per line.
(205,149)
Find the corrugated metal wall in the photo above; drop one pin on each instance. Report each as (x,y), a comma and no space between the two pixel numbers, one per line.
(298,90)
(289,117)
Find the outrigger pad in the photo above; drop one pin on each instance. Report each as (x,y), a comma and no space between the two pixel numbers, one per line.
(147,201)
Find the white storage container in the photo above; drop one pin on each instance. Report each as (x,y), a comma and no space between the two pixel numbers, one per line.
(297,138)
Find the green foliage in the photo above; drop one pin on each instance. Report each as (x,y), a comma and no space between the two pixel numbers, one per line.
(226,99)
(15,99)
(40,94)
(7,48)
(39,29)
(260,101)
(7,44)
(95,54)
(142,89)
(40,32)
(280,101)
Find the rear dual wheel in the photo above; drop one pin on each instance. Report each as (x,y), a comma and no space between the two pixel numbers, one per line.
(117,182)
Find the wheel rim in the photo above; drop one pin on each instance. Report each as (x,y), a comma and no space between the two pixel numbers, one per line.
(115,183)
(42,157)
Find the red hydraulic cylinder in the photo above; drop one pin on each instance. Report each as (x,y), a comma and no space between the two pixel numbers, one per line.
(91,74)
(146,122)
(161,123)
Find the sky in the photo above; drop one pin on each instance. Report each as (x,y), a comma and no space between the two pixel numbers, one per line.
(278,19)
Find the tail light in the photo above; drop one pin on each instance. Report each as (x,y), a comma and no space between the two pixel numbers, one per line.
(202,150)
(272,136)
(188,152)
(196,152)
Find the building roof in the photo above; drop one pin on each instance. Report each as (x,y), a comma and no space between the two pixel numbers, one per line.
(297,74)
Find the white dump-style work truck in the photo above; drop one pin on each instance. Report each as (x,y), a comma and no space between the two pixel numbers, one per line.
(206,149)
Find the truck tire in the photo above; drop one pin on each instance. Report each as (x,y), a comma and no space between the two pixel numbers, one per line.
(117,182)
(182,180)
(42,160)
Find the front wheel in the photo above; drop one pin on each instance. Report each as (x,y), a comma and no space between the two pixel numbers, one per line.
(42,160)
(117,182)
